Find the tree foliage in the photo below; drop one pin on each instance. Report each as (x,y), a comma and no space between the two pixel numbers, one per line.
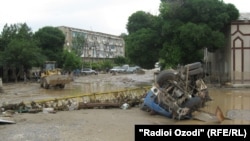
(143,42)
(119,60)
(139,20)
(71,61)
(191,25)
(19,51)
(181,30)
(14,31)
(51,41)
(22,53)
(141,48)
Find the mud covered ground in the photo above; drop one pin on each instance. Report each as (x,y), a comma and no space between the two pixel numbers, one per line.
(98,124)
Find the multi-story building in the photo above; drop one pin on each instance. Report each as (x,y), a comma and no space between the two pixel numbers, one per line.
(92,46)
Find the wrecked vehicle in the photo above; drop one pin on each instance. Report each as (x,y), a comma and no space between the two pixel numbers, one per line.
(177,93)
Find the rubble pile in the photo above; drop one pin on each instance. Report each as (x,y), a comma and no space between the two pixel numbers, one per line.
(117,99)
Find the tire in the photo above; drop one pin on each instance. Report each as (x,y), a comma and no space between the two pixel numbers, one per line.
(163,77)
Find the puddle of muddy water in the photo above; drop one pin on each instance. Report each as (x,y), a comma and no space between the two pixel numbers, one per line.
(234,103)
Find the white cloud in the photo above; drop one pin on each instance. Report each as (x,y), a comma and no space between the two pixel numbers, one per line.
(241,5)
(107,16)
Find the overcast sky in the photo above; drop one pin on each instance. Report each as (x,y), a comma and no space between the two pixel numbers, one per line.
(106,16)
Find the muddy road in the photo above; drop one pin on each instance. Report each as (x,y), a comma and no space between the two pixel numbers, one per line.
(104,124)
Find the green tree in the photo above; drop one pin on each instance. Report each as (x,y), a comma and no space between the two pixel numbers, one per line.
(179,33)
(139,20)
(106,65)
(14,31)
(191,25)
(19,51)
(141,49)
(143,42)
(51,41)
(21,55)
(71,61)
(119,60)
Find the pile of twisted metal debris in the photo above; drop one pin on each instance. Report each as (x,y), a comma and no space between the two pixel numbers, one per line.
(178,93)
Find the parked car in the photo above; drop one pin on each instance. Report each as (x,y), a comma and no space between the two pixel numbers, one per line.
(117,69)
(86,71)
(131,70)
(125,67)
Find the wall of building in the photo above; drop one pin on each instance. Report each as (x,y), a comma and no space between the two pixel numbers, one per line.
(232,63)
(240,52)
(93,45)
(218,66)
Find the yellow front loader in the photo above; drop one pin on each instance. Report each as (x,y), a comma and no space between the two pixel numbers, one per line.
(52,76)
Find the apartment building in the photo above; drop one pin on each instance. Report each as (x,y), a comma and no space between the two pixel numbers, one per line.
(91,45)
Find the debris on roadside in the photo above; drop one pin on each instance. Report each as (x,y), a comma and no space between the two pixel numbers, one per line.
(48,110)
(125,106)
(123,99)
(8,113)
(177,94)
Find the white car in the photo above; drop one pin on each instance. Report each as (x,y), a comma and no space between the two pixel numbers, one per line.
(117,69)
(132,69)
(87,71)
